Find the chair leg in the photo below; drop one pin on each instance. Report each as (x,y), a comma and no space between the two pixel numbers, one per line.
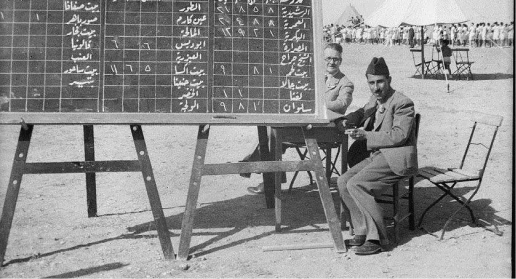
(411,204)
(292,181)
(334,163)
(396,204)
(464,205)
(345,217)
(302,156)
(447,190)
(428,208)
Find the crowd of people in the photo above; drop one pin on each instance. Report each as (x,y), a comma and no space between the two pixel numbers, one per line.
(496,34)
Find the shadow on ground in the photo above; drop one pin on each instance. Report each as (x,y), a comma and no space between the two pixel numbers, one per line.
(302,213)
(89,271)
(495,76)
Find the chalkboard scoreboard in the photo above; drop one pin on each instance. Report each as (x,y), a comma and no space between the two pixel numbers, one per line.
(161,61)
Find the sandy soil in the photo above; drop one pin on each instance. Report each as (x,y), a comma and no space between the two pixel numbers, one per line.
(51,235)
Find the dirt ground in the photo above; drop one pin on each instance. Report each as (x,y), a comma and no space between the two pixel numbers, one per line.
(51,235)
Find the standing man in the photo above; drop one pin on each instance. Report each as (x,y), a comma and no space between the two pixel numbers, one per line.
(387,131)
(411,36)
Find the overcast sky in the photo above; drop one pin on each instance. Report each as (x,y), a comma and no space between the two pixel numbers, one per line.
(477,10)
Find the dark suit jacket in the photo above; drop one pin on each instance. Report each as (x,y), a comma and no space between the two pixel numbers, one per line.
(395,134)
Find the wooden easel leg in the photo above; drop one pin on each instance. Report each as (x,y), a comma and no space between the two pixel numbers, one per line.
(265,155)
(152,192)
(193,192)
(324,192)
(91,184)
(13,189)
(277,154)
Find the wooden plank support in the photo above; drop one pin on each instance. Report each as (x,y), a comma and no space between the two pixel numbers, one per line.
(266,156)
(91,180)
(13,189)
(277,141)
(266,167)
(256,167)
(152,192)
(324,191)
(83,167)
(298,246)
(89,167)
(193,192)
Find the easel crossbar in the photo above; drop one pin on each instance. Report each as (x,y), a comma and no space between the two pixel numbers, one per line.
(83,167)
(257,167)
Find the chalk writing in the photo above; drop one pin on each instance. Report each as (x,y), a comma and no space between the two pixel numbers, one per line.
(157,56)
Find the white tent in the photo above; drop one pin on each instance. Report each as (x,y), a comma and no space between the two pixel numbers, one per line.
(430,12)
(346,16)
(389,14)
(393,13)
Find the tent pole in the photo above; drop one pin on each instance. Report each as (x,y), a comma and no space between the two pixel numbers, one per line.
(422,52)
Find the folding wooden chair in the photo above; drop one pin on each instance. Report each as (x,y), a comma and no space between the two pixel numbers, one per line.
(330,162)
(436,66)
(477,151)
(462,63)
(416,58)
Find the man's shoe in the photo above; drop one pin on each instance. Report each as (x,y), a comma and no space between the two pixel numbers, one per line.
(256,190)
(370,247)
(357,240)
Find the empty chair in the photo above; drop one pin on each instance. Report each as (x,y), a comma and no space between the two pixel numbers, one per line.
(462,63)
(471,168)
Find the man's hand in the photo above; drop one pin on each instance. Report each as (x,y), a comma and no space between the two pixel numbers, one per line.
(356,134)
(341,124)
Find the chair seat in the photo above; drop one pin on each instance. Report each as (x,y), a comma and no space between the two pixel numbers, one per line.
(438,175)
(465,63)
(322,145)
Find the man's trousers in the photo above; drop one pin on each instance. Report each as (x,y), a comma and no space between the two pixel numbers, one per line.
(358,188)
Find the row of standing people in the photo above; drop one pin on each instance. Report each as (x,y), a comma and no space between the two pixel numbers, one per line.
(474,35)
(364,34)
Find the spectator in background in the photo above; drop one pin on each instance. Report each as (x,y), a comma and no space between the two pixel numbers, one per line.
(489,39)
(411,36)
(484,35)
(333,32)
(510,34)
(471,35)
(447,53)
(453,34)
(496,34)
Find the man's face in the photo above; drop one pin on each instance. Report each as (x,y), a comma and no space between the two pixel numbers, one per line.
(333,60)
(380,86)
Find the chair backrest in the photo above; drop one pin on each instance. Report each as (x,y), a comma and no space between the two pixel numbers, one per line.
(461,55)
(483,134)
(418,119)
(416,58)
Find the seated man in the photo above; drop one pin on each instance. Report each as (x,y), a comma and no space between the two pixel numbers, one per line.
(338,96)
(387,130)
